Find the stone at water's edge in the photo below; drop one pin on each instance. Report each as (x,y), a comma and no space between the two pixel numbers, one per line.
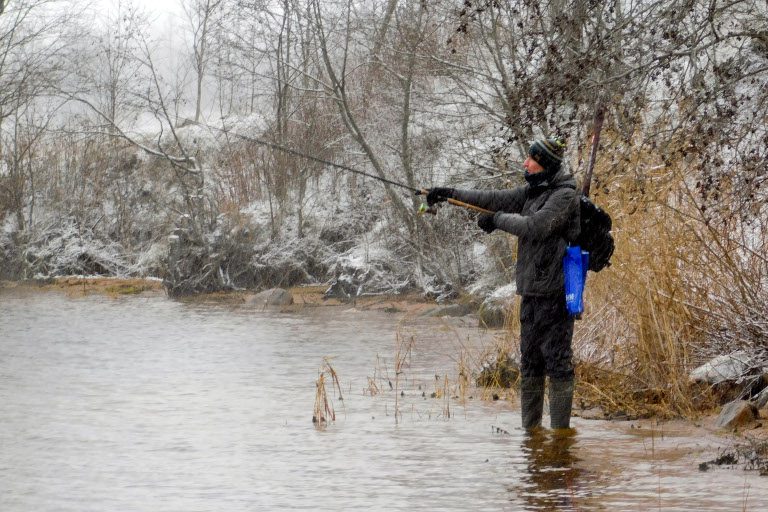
(736,414)
(493,312)
(761,400)
(594,413)
(272,297)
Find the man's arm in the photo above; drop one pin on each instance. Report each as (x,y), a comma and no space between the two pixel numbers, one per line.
(510,201)
(551,218)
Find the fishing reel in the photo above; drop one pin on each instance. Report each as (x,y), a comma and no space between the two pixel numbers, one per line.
(425,208)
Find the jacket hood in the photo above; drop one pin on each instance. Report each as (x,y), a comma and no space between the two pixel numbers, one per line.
(561,178)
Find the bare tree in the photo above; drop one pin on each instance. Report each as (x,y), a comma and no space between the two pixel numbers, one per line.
(335,45)
(202,18)
(32,43)
(114,72)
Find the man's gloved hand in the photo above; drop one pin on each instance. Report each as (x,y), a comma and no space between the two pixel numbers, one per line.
(439,194)
(486,222)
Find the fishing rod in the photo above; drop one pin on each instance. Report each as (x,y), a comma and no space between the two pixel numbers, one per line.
(423,208)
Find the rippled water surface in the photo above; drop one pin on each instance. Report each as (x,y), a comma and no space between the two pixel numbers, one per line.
(146,404)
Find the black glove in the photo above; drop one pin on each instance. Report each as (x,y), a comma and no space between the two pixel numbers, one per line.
(439,194)
(486,222)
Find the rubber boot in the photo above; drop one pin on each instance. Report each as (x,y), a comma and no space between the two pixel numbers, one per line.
(531,401)
(560,402)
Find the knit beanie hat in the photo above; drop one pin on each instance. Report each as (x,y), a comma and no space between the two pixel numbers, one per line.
(548,153)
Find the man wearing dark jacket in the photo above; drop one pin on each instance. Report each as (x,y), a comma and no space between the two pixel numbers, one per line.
(544,215)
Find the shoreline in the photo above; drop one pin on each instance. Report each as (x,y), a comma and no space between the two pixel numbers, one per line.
(303,296)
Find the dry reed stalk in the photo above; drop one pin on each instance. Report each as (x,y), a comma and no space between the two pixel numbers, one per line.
(382,371)
(403,348)
(464,372)
(323,412)
(372,388)
(446,399)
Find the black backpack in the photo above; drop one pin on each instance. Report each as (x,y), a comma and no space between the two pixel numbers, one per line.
(595,235)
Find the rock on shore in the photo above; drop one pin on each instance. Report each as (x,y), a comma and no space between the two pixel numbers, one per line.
(274,297)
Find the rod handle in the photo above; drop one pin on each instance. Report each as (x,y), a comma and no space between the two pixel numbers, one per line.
(454,202)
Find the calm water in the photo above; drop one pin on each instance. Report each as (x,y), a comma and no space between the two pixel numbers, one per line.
(145,404)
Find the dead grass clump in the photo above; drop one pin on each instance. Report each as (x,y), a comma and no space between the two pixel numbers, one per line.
(500,372)
(623,396)
(658,331)
(128,289)
(499,369)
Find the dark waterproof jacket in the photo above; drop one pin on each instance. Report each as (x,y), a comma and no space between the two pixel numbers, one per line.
(544,218)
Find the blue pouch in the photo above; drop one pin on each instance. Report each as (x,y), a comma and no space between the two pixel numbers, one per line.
(575,265)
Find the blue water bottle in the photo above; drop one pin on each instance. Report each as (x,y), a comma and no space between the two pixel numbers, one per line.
(574,272)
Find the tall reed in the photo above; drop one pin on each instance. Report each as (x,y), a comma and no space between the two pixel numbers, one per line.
(686,283)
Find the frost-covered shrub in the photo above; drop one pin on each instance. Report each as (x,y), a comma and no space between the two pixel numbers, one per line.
(67,248)
(153,261)
(341,231)
(369,270)
(10,257)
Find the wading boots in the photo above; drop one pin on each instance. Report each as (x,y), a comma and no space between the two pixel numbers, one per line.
(560,401)
(531,401)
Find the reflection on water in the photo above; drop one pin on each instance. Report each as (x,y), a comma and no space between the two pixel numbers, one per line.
(551,478)
(149,405)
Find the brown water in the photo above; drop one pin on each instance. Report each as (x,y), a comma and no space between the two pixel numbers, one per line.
(146,404)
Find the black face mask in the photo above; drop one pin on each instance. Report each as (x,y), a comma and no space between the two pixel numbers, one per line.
(536,179)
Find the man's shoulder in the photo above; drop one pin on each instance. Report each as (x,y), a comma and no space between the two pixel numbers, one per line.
(563,180)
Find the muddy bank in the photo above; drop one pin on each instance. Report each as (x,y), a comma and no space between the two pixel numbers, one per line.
(79,285)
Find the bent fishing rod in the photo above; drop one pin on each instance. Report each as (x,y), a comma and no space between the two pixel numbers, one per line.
(279,147)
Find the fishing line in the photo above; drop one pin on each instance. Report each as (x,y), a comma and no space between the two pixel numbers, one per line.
(423,208)
(299,154)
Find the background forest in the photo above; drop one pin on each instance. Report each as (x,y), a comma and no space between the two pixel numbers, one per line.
(121,157)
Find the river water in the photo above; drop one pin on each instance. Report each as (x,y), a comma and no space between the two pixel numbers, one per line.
(147,404)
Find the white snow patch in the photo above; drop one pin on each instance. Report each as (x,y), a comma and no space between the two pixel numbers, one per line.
(362,255)
(479,250)
(505,292)
(153,257)
(10,226)
(722,368)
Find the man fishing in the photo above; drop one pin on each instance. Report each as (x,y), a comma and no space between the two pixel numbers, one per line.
(544,215)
